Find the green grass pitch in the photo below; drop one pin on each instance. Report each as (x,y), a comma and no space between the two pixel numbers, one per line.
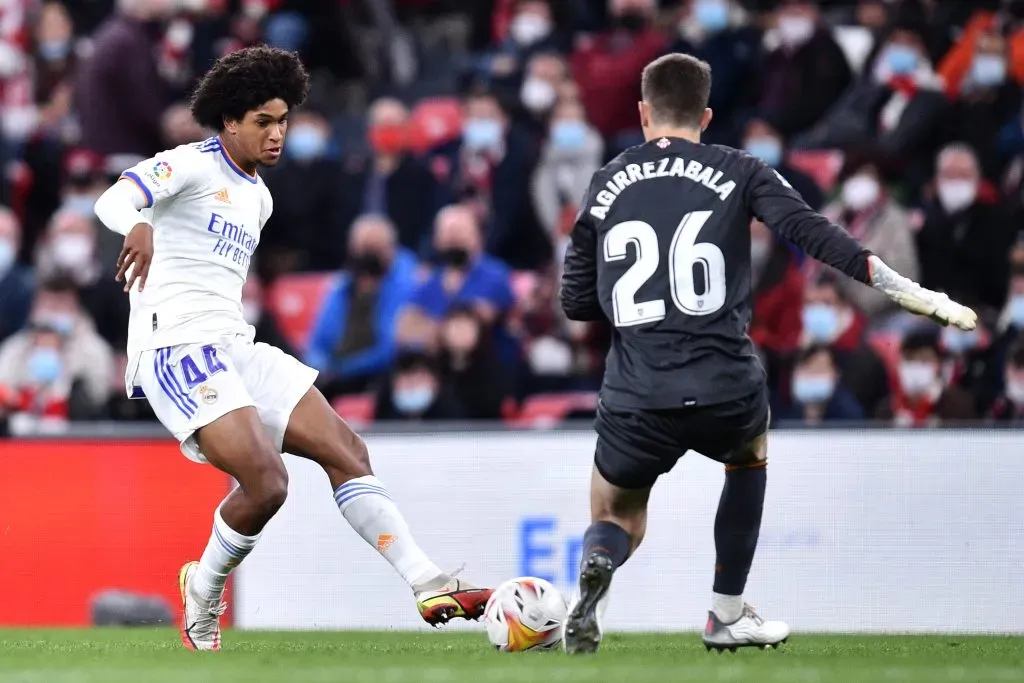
(156,656)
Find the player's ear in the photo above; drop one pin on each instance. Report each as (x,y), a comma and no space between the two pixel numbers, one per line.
(705,120)
(231,126)
(645,119)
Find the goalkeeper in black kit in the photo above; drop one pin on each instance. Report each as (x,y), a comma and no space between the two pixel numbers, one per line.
(661,249)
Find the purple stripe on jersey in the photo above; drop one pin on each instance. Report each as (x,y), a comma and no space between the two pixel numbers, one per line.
(157,370)
(131,175)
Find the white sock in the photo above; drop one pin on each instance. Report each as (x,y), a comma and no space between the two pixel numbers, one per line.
(728,608)
(225,551)
(367,506)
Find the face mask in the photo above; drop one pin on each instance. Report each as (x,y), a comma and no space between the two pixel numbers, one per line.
(44,366)
(367,264)
(813,388)
(633,21)
(917,377)
(538,95)
(1015,391)
(388,138)
(569,134)
(455,257)
(821,322)
(768,150)
(251,312)
(81,204)
(53,50)
(413,401)
(7,255)
(527,29)
(481,133)
(795,31)
(72,251)
(305,143)
(988,70)
(956,195)
(549,356)
(711,15)
(1016,311)
(901,59)
(860,192)
(760,250)
(958,341)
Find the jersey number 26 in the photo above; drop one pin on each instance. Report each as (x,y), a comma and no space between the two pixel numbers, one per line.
(686,255)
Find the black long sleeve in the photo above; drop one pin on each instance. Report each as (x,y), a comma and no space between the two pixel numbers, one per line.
(578,294)
(775,203)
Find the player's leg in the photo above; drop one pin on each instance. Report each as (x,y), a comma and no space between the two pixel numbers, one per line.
(198,395)
(633,450)
(302,422)
(731,622)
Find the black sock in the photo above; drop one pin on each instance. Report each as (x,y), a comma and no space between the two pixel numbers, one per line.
(608,539)
(737,526)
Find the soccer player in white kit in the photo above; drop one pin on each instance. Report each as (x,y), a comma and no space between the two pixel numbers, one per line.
(192,218)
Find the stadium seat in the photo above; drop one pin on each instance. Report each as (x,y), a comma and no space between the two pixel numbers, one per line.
(546,410)
(435,121)
(295,301)
(823,165)
(357,409)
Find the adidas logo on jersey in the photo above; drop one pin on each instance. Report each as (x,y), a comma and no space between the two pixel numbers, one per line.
(222,196)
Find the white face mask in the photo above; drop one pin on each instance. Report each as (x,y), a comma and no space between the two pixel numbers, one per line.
(538,95)
(795,31)
(527,29)
(917,377)
(956,195)
(860,192)
(72,251)
(549,356)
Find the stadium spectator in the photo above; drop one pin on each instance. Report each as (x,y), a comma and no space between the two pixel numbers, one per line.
(465,274)
(531,29)
(469,367)
(1009,406)
(922,397)
(489,166)
(543,85)
(17,283)
(1010,323)
(391,181)
(894,110)
(805,75)
(721,33)
(119,94)
(570,155)
(415,391)
(818,393)
(263,321)
(307,230)
(765,143)
(70,249)
(972,363)
(776,282)
(867,210)
(967,233)
(829,319)
(353,340)
(58,366)
(607,68)
(83,182)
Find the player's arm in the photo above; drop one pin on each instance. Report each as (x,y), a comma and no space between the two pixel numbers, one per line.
(578,293)
(774,202)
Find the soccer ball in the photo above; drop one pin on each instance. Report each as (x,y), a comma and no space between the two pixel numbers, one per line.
(525,614)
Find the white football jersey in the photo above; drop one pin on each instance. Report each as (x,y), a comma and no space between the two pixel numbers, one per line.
(207,214)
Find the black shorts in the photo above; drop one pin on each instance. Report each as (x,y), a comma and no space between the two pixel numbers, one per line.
(635,447)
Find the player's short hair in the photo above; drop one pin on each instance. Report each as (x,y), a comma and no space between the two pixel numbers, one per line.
(677,87)
(246,79)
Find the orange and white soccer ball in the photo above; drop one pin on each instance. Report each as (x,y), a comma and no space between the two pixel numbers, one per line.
(525,614)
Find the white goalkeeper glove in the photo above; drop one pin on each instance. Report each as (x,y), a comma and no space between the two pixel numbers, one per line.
(916,299)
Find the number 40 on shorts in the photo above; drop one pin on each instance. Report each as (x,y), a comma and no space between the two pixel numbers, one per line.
(190,369)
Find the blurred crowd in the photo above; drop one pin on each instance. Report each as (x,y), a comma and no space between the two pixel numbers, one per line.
(433,176)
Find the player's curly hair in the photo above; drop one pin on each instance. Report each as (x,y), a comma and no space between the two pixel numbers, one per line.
(246,79)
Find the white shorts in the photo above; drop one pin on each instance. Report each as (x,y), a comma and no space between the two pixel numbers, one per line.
(191,385)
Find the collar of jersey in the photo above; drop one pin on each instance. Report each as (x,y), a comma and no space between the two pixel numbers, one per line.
(231,162)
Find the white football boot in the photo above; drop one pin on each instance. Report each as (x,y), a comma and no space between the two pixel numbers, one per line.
(749,630)
(200,619)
